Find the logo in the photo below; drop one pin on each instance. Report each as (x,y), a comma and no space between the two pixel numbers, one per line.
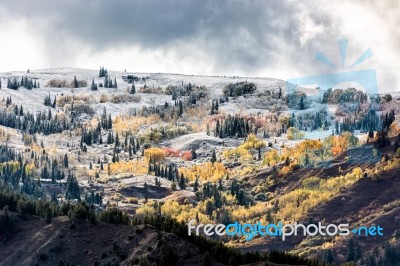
(249,231)
(356,86)
(365,78)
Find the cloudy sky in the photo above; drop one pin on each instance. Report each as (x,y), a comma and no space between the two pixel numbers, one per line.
(276,38)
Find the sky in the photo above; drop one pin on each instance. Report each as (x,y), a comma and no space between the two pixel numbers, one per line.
(276,38)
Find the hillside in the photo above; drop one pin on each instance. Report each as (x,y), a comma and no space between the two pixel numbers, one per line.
(82,243)
(213,149)
(372,200)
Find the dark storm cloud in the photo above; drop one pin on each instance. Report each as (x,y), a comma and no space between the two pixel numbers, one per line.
(239,36)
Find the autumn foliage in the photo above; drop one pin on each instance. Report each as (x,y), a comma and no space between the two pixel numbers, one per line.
(206,171)
(154,154)
(170,152)
(135,167)
(187,156)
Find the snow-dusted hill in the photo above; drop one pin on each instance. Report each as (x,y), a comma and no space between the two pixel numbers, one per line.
(33,100)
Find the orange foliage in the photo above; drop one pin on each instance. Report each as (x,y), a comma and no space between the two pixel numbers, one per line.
(341,143)
(394,130)
(170,152)
(187,155)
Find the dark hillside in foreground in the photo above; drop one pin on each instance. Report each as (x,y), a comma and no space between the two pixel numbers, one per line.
(64,242)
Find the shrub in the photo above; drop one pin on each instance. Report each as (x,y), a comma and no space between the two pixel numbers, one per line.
(125,98)
(155,154)
(6,221)
(294,133)
(78,83)
(67,99)
(57,83)
(114,216)
(170,89)
(137,167)
(240,88)
(170,152)
(103,98)
(205,172)
(133,123)
(81,108)
(187,155)
(43,256)
(146,89)
(131,200)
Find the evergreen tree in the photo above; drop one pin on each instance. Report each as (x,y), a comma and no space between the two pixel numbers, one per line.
(73,190)
(194,155)
(49,215)
(180,108)
(301,104)
(94,86)
(213,157)
(196,185)
(133,89)
(182,182)
(75,82)
(328,257)
(207,259)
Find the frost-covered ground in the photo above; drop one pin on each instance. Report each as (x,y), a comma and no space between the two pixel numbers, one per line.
(33,100)
(65,143)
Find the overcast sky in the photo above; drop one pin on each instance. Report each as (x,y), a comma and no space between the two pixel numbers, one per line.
(226,37)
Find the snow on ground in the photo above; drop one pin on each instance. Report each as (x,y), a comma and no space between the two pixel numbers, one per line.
(189,141)
(140,180)
(33,100)
(317,134)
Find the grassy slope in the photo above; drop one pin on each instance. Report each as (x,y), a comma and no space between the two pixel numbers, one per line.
(360,204)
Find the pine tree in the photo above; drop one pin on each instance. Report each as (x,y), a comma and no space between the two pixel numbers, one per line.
(182,182)
(75,82)
(73,191)
(94,86)
(207,261)
(213,157)
(194,155)
(180,108)
(49,215)
(307,159)
(114,158)
(328,257)
(133,89)
(301,104)
(109,122)
(196,185)
(351,253)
